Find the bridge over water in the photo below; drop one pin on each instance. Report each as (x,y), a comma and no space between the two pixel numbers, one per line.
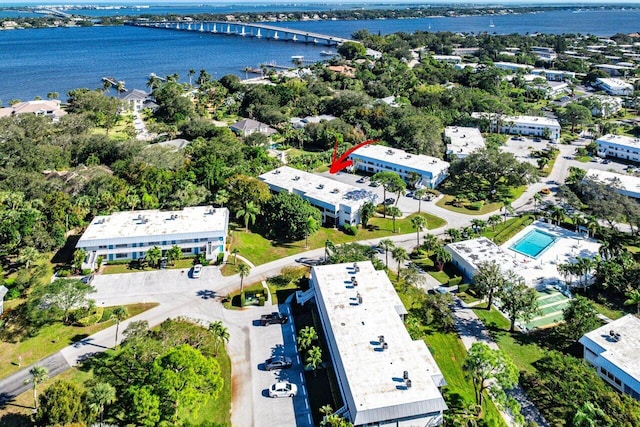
(245,29)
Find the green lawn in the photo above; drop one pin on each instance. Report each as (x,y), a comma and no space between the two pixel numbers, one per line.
(611,313)
(445,203)
(260,250)
(185,264)
(522,351)
(51,339)
(449,354)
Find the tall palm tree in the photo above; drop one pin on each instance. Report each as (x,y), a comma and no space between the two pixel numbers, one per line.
(592,225)
(494,220)
(557,214)
(99,396)
(453,233)
(310,224)
(430,242)
(39,374)
(442,257)
(395,212)
(192,73)
(243,271)
(306,337)
(248,214)
(387,245)
(478,225)
(633,297)
(419,194)
(119,313)
(400,255)
(220,335)
(577,220)
(537,198)
(419,222)
(221,197)
(235,252)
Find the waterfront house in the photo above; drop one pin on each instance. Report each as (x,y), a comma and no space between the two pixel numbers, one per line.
(135,99)
(41,107)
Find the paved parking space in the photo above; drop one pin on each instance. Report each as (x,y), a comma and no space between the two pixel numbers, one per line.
(522,149)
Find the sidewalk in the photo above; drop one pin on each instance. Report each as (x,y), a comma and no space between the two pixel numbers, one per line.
(472,330)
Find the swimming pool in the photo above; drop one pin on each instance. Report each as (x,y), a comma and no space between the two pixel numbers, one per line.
(533,243)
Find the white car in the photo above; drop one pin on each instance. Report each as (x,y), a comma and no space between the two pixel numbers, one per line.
(197,271)
(283,389)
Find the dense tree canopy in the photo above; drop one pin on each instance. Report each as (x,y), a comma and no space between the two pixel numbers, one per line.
(286,217)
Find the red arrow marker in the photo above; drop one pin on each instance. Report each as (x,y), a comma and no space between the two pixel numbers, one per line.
(338,164)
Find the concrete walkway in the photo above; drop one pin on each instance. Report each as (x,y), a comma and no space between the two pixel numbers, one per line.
(472,330)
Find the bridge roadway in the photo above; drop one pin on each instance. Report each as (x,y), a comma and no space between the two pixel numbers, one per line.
(245,29)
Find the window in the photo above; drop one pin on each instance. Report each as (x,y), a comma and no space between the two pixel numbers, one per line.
(187,250)
(121,256)
(122,245)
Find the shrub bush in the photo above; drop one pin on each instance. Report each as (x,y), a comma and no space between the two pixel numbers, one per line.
(455,281)
(106,315)
(64,272)
(92,318)
(463,288)
(86,271)
(220,258)
(261,301)
(475,206)
(351,230)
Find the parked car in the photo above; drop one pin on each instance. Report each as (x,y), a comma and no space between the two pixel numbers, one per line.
(517,138)
(545,191)
(283,389)
(425,196)
(409,194)
(374,184)
(274,318)
(87,279)
(197,271)
(389,201)
(537,139)
(277,362)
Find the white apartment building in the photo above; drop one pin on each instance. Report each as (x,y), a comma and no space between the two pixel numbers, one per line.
(627,185)
(614,86)
(512,66)
(522,125)
(619,147)
(129,235)
(613,350)
(604,105)
(385,377)
(338,202)
(554,75)
(462,141)
(376,158)
(449,59)
(544,53)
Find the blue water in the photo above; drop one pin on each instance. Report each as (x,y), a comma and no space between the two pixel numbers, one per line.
(36,62)
(534,243)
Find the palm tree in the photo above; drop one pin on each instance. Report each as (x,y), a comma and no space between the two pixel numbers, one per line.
(419,222)
(248,214)
(174,254)
(53,95)
(442,256)
(221,197)
(235,252)
(430,242)
(453,233)
(28,255)
(306,337)
(592,225)
(588,415)
(99,396)
(577,220)
(419,194)
(314,358)
(192,73)
(220,335)
(633,297)
(120,87)
(478,225)
(119,313)
(395,212)
(494,220)
(557,214)
(243,271)
(310,224)
(537,198)
(153,82)
(387,245)
(400,255)
(39,374)
(153,256)
(132,200)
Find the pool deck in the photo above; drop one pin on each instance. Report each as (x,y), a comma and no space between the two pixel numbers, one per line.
(543,271)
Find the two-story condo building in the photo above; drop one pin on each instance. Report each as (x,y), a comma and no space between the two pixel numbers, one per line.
(129,235)
(376,158)
(339,203)
(627,185)
(613,350)
(615,86)
(462,141)
(619,146)
(544,127)
(385,377)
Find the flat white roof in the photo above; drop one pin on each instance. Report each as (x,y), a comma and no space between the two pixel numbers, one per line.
(316,187)
(512,65)
(621,140)
(614,84)
(402,159)
(628,183)
(481,249)
(373,375)
(133,224)
(463,140)
(520,120)
(622,352)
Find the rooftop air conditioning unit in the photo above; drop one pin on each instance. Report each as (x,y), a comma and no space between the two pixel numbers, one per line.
(385,345)
(381,339)
(405,375)
(359,298)
(408,383)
